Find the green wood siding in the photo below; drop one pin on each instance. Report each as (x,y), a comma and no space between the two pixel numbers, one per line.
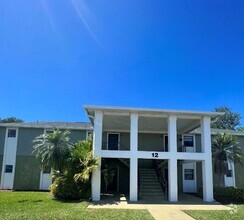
(180,181)
(1,166)
(239,169)
(2,139)
(25,138)
(77,135)
(198,143)
(199,174)
(27,173)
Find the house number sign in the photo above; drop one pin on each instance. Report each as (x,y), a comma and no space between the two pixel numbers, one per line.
(154,154)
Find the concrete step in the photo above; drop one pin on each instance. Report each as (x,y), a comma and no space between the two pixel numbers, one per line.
(146,170)
(149,180)
(147,174)
(148,177)
(159,191)
(150,187)
(156,198)
(143,195)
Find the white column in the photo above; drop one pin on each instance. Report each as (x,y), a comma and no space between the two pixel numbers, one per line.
(172,163)
(207,170)
(9,158)
(133,157)
(97,145)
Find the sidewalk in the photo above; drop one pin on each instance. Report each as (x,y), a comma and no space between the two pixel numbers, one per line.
(159,209)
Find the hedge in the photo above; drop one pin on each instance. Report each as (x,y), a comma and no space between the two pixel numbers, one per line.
(228,194)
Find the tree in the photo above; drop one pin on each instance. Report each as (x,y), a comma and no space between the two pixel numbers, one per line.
(108,172)
(225,147)
(53,149)
(75,181)
(72,164)
(230,120)
(11,120)
(241,129)
(82,160)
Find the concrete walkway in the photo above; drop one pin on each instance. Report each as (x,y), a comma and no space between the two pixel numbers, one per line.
(160,209)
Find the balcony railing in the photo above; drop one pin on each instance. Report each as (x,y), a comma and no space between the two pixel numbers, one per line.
(114,146)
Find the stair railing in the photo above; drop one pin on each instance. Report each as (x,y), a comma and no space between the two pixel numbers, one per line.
(162,181)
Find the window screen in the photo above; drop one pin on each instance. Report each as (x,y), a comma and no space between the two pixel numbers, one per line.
(8,168)
(188,141)
(11,133)
(46,169)
(229,173)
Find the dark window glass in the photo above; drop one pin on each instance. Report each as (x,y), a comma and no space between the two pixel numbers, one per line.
(8,168)
(189,174)
(166,143)
(46,169)
(113,141)
(11,133)
(188,141)
(229,173)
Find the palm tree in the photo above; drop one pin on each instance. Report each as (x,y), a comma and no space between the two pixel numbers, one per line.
(82,162)
(108,173)
(53,149)
(225,147)
(75,181)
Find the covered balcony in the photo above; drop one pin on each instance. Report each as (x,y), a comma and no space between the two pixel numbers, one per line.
(152,133)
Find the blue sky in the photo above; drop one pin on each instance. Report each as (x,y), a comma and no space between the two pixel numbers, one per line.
(56,56)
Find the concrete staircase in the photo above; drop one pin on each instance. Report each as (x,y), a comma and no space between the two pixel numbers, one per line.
(150,187)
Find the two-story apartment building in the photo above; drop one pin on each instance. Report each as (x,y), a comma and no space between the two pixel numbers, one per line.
(157,153)
(19,167)
(150,140)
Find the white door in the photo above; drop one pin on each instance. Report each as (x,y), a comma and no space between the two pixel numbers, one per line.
(45,179)
(9,159)
(189,177)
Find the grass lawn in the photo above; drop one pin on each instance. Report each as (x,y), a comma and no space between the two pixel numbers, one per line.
(218,215)
(40,205)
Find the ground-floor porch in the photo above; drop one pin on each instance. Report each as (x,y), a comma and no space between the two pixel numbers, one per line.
(151,181)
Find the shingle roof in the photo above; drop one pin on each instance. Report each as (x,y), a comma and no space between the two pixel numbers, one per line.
(62,125)
(216,131)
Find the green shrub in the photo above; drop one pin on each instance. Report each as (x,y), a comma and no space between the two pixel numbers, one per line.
(65,187)
(226,194)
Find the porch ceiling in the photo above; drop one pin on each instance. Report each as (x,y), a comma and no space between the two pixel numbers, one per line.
(146,124)
(150,120)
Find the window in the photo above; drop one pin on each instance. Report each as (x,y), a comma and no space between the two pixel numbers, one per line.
(188,141)
(8,168)
(12,133)
(229,173)
(89,134)
(49,131)
(46,169)
(189,174)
